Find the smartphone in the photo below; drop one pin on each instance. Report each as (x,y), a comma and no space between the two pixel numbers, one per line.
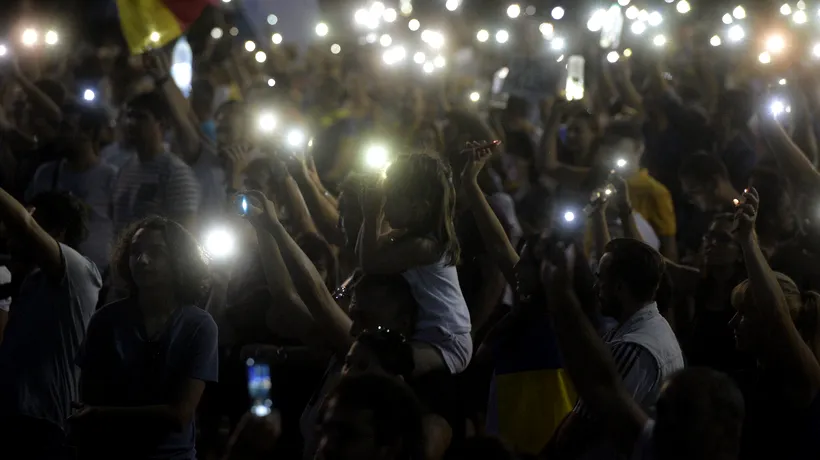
(242,205)
(259,385)
(575,78)
(612,28)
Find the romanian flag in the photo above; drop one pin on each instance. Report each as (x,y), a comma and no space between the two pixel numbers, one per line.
(148,24)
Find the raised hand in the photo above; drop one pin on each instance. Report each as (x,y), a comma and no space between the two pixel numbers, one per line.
(259,206)
(621,198)
(746,214)
(477,155)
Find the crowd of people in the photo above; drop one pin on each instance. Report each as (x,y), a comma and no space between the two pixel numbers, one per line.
(629,275)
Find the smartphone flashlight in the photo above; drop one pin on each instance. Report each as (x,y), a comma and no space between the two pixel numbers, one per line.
(569,216)
(259,385)
(89,95)
(621,163)
(242,205)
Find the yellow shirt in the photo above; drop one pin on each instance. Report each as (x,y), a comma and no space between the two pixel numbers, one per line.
(653,201)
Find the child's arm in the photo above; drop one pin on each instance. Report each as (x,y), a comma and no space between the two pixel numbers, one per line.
(381,254)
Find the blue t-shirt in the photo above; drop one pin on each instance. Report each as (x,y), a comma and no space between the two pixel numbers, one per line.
(47,324)
(140,372)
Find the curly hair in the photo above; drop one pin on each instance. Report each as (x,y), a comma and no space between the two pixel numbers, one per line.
(189,264)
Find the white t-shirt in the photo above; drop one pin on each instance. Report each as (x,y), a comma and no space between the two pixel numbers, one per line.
(441,302)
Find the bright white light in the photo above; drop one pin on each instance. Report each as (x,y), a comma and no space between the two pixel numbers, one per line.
(428,67)
(596,21)
(361,17)
(557,13)
(736,33)
(439,61)
(271,82)
(502,36)
(775,44)
(250,46)
(739,12)
(406,8)
(643,15)
(89,95)
(216,33)
(3,50)
(234,31)
(683,7)
(800,17)
(764,58)
(419,57)
(560,58)
(474,96)
(623,2)
(219,243)
(612,56)
(801,5)
(781,82)
(727,19)
(816,50)
(376,157)
(628,52)
(261,56)
(777,107)
(659,40)
(638,28)
(557,43)
(154,37)
(52,38)
(621,163)
(433,38)
(385,40)
(335,48)
(452,5)
(714,41)
(377,8)
(394,55)
(296,138)
(322,29)
(371,37)
(785,10)
(513,11)
(272,19)
(267,121)
(226,1)
(503,72)
(482,36)
(655,19)
(390,15)
(414,25)
(569,216)
(632,12)
(547,30)
(276,38)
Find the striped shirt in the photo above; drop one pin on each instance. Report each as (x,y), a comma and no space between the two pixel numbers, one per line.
(164,186)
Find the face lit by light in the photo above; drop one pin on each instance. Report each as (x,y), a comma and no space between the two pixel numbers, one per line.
(414,25)
(547,30)
(683,7)
(88,95)
(267,121)
(216,33)
(775,44)
(52,38)
(335,48)
(637,28)
(557,43)
(569,216)
(764,57)
(390,15)
(474,96)
(276,38)
(271,82)
(800,17)
(785,10)
(736,33)
(727,19)
(322,29)
(220,243)
(428,67)
(632,12)
(557,13)
(502,36)
(659,40)
(513,11)
(655,19)
(250,46)
(739,12)
(376,157)
(439,61)
(714,41)
(482,36)
(296,138)
(612,57)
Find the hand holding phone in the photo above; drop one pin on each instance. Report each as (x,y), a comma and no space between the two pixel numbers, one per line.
(259,386)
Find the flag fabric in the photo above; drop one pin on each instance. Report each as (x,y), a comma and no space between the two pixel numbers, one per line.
(148,24)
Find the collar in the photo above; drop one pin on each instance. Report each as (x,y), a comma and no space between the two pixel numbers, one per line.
(648,310)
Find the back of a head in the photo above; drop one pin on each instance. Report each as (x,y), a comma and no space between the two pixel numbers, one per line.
(638,265)
(395,411)
(62,213)
(702,166)
(699,416)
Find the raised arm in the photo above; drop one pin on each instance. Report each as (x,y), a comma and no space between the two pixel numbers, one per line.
(38,98)
(492,232)
(783,347)
(325,215)
(21,226)
(549,164)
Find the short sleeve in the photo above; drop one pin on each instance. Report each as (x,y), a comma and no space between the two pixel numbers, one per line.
(204,362)
(182,193)
(82,274)
(664,217)
(638,370)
